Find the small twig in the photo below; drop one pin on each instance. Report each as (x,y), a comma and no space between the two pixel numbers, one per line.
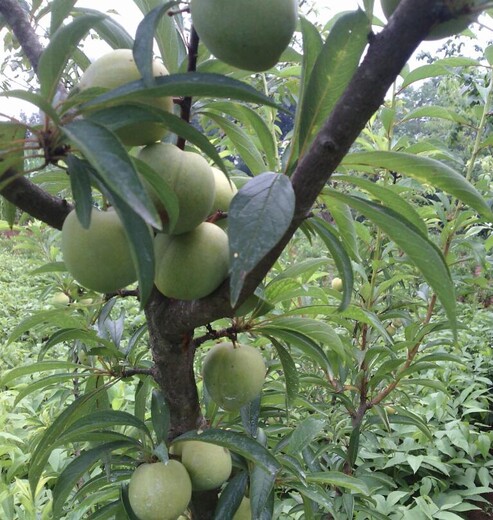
(134,371)
(229,332)
(122,293)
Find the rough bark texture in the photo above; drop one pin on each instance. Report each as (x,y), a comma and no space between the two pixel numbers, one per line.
(171,323)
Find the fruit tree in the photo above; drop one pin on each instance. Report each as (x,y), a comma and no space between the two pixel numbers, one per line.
(190,162)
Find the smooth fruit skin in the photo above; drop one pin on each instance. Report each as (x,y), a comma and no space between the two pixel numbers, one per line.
(225,191)
(244,512)
(337,284)
(192,265)
(208,465)
(445,29)
(160,491)
(233,374)
(189,175)
(248,34)
(99,257)
(116,68)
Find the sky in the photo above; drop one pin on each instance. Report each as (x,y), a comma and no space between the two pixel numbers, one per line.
(129,16)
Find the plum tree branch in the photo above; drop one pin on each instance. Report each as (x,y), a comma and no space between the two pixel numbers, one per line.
(387,54)
(18,20)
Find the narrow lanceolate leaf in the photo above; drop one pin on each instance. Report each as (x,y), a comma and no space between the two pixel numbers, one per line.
(423,253)
(50,437)
(60,9)
(331,73)
(340,480)
(167,34)
(141,243)
(306,432)
(78,467)
(160,415)
(144,41)
(291,377)
(389,198)
(259,215)
(62,45)
(231,496)
(249,117)
(435,112)
(261,487)
(238,443)
(196,84)
(116,117)
(438,68)
(35,368)
(110,159)
(35,99)
(425,170)
(114,34)
(80,182)
(340,257)
(241,141)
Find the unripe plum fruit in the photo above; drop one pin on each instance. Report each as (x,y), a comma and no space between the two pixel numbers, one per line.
(448,28)
(99,257)
(225,191)
(160,491)
(208,465)
(191,265)
(248,34)
(233,374)
(337,284)
(190,177)
(116,68)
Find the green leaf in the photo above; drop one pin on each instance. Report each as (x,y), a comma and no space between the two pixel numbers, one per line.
(331,73)
(103,419)
(340,480)
(80,182)
(110,31)
(160,415)
(340,256)
(195,84)
(164,192)
(389,198)
(42,366)
(442,67)
(109,158)
(231,496)
(62,45)
(141,244)
(50,437)
(36,100)
(261,487)
(242,142)
(435,112)
(424,253)
(343,218)
(238,443)
(250,118)
(425,170)
(306,432)
(116,117)
(60,9)
(76,470)
(168,35)
(259,215)
(144,41)
(289,369)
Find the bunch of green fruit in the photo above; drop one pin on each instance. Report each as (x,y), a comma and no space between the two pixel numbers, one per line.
(233,374)
(192,258)
(248,34)
(116,68)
